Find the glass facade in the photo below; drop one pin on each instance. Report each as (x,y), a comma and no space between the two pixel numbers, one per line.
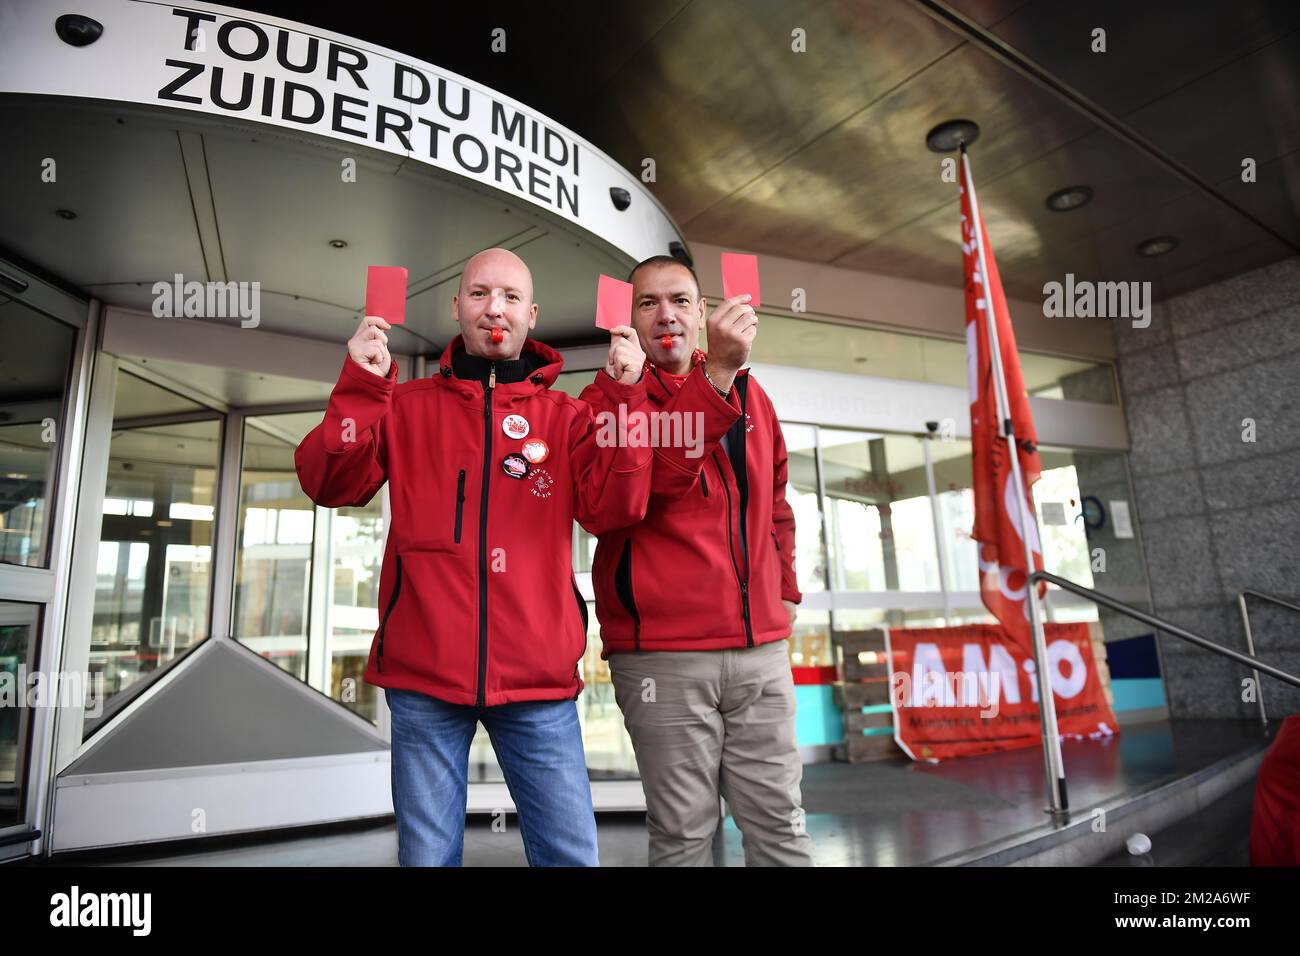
(277,525)
(154,565)
(33,384)
(39,395)
(306,578)
(832,347)
(1080,541)
(896,537)
(19,627)
(801,491)
(880,522)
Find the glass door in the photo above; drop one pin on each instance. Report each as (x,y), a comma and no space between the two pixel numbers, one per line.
(38,401)
(19,625)
(153,569)
(306,578)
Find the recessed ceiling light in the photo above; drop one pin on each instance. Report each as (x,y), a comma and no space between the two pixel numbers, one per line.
(339,243)
(1157,246)
(1071,197)
(949,135)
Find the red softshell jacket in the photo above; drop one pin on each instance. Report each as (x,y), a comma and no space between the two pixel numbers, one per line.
(1275,815)
(687,578)
(478,603)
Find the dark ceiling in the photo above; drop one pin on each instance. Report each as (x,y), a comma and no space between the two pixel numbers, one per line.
(821,155)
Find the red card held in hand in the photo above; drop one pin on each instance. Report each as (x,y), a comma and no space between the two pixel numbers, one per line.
(386,293)
(740,276)
(613,303)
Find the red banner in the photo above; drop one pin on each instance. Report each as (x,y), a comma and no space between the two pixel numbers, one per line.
(998,513)
(961,691)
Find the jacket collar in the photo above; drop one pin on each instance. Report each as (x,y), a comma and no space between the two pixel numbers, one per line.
(537,367)
(660,384)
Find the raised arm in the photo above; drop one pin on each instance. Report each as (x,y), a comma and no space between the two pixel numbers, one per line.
(343,460)
(611,480)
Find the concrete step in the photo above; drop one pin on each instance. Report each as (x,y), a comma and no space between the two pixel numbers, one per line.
(1096,835)
(1218,835)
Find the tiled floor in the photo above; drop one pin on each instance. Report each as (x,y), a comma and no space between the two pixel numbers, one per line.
(878,814)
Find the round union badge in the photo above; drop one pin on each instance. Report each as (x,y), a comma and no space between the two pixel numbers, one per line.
(516,426)
(515,466)
(535,450)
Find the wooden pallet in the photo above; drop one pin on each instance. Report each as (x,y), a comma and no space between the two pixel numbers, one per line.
(861,694)
(864,670)
(863,656)
(862,749)
(1099,656)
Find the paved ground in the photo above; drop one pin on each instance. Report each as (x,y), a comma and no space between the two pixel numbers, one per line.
(879,814)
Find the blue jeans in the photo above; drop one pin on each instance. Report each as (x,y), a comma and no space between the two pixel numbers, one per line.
(539,748)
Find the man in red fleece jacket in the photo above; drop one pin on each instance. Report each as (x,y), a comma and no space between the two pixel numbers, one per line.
(487,468)
(696,602)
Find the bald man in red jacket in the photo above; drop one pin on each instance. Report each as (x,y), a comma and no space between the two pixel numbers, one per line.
(488,467)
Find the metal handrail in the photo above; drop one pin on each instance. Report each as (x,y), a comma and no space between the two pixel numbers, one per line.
(1159,624)
(1269,597)
(1106,600)
(1250,638)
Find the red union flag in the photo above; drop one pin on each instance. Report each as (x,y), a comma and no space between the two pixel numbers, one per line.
(998,514)
(966,690)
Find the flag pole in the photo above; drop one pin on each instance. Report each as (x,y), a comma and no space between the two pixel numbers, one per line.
(1053,765)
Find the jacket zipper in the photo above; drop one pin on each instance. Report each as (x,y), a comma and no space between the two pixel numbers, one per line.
(731,546)
(482,535)
(383,625)
(668,392)
(460,501)
(582,611)
(623,586)
(731,552)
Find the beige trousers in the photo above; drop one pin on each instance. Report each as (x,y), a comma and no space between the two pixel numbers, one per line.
(705,723)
